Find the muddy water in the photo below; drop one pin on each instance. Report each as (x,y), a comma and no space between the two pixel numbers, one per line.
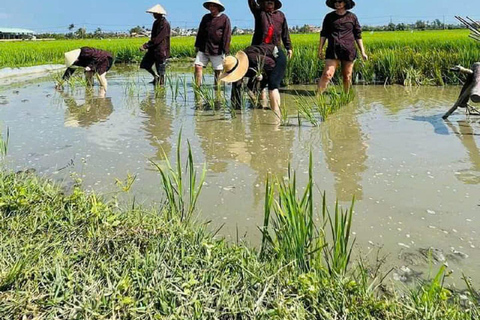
(416,178)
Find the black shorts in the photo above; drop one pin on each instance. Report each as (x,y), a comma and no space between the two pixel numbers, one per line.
(276,76)
(149,59)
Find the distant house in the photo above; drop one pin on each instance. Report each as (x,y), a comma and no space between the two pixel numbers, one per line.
(15,33)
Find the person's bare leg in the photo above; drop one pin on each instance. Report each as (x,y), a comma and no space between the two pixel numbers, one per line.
(275,102)
(155,76)
(102,79)
(198,75)
(217,74)
(327,75)
(263,98)
(347,70)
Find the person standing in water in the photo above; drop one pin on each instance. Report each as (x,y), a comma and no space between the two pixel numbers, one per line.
(158,48)
(342,30)
(213,40)
(94,61)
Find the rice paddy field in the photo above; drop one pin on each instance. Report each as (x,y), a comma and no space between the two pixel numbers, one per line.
(403,57)
(166,203)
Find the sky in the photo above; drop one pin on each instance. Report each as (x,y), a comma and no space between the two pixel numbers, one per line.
(121,15)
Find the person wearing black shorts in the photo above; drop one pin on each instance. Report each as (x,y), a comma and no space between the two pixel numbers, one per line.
(264,65)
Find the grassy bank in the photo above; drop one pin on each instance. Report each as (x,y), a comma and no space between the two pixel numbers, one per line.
(421,57)
(76,256)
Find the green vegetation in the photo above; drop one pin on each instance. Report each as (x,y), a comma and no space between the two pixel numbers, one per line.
(73,255)
(404,57)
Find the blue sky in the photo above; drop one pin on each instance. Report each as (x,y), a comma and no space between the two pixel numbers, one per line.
(120,15)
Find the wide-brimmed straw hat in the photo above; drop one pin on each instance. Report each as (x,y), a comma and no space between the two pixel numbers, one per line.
(218,3)
(71,57)
(157,9)
(234,68)
(278,4)
(349,4)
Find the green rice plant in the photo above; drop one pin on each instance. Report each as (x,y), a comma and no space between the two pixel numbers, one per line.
(181,198)
(339,251)
(316,109)
(289,232)
(432,53)
(294,236)
(4,144)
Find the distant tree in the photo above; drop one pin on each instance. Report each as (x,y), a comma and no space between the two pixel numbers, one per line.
(420,25)
(390,27)
(71,27)
(234,30)
(401,27)
(137,30)
(437,24)
(98,33)
(81,33)
(304,29)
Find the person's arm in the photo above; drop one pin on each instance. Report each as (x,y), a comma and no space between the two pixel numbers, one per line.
(357,33)
(227,36)
(253,5)
(321,55)
(323,37)
(286,38)
(199,40)
(68,73)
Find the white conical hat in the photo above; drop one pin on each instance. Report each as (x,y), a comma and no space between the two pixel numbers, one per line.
(71,57)
(217,2)
(157,9)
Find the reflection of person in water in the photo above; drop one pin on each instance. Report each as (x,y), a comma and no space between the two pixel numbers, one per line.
(467,136)
(93,110)
(345,154)
(158,124)
(221,143)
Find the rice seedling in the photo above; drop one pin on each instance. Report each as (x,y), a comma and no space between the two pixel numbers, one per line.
(291,235)
(316,109)
(181,199)
(4,144)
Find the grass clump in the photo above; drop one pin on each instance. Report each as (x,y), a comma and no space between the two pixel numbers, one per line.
(77,256)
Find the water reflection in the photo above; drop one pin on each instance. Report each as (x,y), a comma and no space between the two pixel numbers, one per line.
(345,153)
(464,131)
(158,123)
(94,109)
(248,140)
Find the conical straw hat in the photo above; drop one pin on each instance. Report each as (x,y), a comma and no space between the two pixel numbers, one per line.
(235,68)
(217,2)
(157,9)
(71,57)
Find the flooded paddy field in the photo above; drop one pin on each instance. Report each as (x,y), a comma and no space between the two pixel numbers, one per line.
(415,177)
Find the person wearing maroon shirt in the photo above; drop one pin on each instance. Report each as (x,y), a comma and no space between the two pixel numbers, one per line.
(264,65)
(342,30)
(158,48)
(95,61)
(213,40)
(270,24)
